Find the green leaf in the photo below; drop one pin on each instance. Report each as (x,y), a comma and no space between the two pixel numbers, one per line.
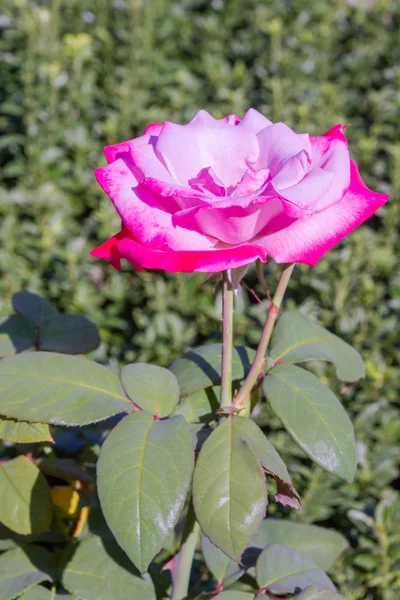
(59,389)
(24,433)
(284,570)
(150,387)
(229,492)
(297,338)
(34,308)
(24,497)
(321,546)
(312,593)
(233,595)
(224,569)
(41,593)
(68,334)
(144,472)
(22,568)
(314,417)
(16,335)
(270,461)
(100,570)
(201,368)
(199,407)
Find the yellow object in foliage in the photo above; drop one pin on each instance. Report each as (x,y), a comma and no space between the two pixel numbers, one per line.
(66,498)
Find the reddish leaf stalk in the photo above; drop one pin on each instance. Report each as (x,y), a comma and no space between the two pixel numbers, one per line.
(243,398)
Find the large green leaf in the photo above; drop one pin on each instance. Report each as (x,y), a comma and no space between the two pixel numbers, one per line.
(144,472)
(297,338)
(224,569)
(16,335)
(201,368)
(68,334)
(100,570)
(150,387)
(199,407)
(34,308)
(233,595)
(41,593)
(282,569)
(314,417)
(24,433)
(270,461)
(313,593)
(59,389)
(24,497)
(23,568)
(321,546)
(229,492)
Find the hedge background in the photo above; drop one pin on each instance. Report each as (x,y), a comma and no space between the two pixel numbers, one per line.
(79,74)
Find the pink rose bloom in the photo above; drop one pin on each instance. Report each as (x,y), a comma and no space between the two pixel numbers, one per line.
(219,194)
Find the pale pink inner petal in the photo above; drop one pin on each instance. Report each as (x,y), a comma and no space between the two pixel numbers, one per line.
(292,171)
(254,121)
(233,224)
(187,149)
(277,144)
(145,159)
(207,181)
(302,199)
(250,182)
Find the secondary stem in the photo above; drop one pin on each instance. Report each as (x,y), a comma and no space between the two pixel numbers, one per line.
(243,397)
(227,341)
(183,565)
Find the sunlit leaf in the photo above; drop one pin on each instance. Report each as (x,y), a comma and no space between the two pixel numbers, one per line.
(100,570)
(55,388)
(270,461)
(321,546)
(144,472)
(297,338)
(313,593)
(201,368)
(24,433)
(199,407)
(314,417)
(24,497)
(282,569)
(150,387)
(23,568)
(229,492)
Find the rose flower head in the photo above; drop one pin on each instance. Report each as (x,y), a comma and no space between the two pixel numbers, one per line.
(219,194)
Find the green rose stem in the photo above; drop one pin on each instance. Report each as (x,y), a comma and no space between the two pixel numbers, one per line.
(242,400)
(183,563)
(227,341)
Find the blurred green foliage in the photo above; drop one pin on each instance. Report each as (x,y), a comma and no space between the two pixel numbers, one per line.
(79,74)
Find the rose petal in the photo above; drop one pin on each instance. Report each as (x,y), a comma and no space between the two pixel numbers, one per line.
(254,121)
(277,143)
(207,181)
(232,224)
(330,153)
(211,261)
(108,250)
(187,149)
(141,213)
(307,239)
